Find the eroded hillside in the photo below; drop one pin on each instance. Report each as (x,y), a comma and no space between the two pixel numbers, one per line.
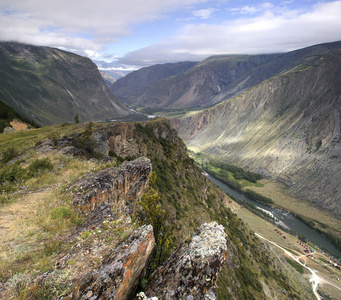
(287,127)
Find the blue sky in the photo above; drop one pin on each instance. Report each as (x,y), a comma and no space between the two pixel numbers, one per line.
(144,32)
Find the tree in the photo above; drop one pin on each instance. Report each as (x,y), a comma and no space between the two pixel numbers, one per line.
(76,119)
(150,211)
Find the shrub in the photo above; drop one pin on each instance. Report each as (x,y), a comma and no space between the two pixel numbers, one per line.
(87,144)
(39,165)
(9,154)
(151,212)
(11,173)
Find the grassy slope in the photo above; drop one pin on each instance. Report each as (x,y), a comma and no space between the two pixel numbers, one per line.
(251,269)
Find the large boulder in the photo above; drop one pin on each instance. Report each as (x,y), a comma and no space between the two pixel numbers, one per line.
(121,270)
(193,268)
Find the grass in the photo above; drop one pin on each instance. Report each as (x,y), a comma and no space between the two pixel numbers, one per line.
(169,112)
(26,139)
(298,267)
(34,217)
(43,213)
(36,211)
(227,172)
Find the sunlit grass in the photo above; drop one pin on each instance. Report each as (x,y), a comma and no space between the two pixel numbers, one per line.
(26,139)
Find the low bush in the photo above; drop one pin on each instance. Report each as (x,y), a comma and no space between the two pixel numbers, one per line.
(12,173)
(39,165)
(9,154)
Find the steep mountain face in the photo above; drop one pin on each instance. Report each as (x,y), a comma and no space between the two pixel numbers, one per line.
(213,80)
(191,199)
(51,86)
(273,67)
(287,127)
(197,86)
(132,85)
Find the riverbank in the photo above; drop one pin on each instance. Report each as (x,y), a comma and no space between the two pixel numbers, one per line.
(271,193)
(314,217)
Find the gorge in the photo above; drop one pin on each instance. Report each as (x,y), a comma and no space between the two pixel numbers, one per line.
(112,209)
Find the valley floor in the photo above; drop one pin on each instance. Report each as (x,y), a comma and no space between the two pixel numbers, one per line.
(327,276)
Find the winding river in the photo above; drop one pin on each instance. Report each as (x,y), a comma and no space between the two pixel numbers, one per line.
(285,218)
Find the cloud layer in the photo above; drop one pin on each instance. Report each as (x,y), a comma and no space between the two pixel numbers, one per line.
(199,27)
(269,32)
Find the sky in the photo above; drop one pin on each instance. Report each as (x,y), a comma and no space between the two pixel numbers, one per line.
(137,33)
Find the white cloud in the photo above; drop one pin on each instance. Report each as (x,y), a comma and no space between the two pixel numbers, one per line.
(33,20)
(88,27)
(268,32)
(204,13)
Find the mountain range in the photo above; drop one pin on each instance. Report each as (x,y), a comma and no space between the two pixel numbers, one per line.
(112,71)
(210,81)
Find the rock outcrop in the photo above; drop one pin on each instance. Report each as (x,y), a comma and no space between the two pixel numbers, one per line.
(192,269)
(121,270)
(116,187)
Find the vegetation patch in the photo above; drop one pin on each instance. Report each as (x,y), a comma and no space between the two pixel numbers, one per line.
(298,267)
(233,176)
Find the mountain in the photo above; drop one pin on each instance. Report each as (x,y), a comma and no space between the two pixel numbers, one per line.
(51,86)
(195,87)
(214,79)
(287,128)
(75,232)
(132,85)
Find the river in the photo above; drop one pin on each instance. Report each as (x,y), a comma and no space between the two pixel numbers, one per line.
(284,218)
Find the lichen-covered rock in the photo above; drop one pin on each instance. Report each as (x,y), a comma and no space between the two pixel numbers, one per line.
(193,269)
(121,270)
(114,186)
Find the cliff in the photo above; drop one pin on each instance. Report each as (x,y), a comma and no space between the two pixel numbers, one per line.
(51,86)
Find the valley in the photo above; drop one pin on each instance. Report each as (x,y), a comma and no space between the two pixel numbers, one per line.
(129,172)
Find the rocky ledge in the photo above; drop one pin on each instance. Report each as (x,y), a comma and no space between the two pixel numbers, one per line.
(115,186)
(193,268)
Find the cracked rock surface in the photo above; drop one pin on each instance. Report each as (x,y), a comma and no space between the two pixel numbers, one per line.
(193,268)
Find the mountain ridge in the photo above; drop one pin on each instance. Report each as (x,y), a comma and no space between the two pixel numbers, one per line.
(107,193)
(128,87)
(216,78)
